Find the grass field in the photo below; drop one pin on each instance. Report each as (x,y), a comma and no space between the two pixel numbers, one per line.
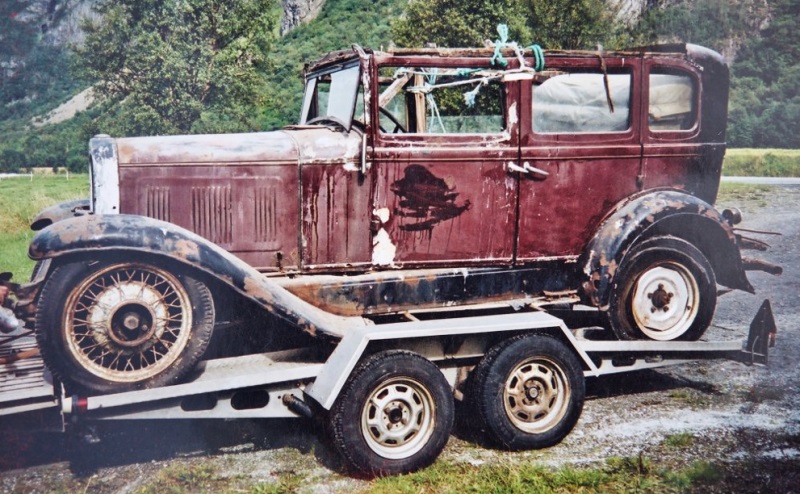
(21,198)
(762,163)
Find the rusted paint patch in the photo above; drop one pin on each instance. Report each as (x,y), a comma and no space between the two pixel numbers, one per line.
(426,199)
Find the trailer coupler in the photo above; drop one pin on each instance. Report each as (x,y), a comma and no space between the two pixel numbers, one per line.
(761,337)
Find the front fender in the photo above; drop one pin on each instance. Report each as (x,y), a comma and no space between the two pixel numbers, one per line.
(58,212)
(664,212)
(129,234)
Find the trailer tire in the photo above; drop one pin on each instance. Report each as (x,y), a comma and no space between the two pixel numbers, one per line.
(664,290)
(394,415)
(118,326)
(528,391)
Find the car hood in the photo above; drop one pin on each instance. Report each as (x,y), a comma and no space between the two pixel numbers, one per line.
(300,145)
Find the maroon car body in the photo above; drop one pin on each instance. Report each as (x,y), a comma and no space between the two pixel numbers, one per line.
(440,177)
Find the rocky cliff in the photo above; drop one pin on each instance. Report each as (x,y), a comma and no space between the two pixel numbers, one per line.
(296,12)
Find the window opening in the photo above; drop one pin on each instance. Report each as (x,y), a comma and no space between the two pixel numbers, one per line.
(671,101)
(436,100)
(578,102)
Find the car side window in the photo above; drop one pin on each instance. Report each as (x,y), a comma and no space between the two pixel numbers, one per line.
(436,100)
(671,101)
(581,102)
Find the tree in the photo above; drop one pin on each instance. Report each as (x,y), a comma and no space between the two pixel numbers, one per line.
(554,24)
(178,66)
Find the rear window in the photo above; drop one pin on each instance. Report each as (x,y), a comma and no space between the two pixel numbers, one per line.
(581,102)
(672,101)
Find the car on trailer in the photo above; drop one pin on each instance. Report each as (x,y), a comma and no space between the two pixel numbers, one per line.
(405,235)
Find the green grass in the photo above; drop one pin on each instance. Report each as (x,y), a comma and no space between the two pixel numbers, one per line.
(762,163)
(21,198)
(622,475)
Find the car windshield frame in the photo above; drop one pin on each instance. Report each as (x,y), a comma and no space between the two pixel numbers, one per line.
(340,106)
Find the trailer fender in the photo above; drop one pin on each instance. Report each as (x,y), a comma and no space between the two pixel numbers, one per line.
(119,233)
(663,212)
(58,212)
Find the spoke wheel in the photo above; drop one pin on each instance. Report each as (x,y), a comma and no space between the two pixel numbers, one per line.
(664,290)
(122,326)
(394,415)
(528,392)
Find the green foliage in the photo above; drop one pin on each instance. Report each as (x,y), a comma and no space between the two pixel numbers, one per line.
(178,67)
(710,23)
(553,24)
(572,24)
(458,23)
(340,24)
(680,440)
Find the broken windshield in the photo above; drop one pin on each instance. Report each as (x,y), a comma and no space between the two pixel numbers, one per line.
(331,95)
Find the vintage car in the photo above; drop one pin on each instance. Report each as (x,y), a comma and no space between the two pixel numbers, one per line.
(415,178)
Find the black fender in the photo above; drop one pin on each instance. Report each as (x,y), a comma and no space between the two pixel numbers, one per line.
(127,235)
(662,212)
(58,212)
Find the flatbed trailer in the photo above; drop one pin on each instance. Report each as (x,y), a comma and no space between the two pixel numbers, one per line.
(375,380)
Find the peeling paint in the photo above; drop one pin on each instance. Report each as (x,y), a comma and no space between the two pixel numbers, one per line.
(383,250)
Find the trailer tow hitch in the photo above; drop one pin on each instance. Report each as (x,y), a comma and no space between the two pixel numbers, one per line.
(761,337)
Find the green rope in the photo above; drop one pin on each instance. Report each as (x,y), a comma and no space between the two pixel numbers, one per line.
(538,57)
(499,44)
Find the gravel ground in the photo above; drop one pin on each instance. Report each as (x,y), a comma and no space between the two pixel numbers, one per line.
(746,419)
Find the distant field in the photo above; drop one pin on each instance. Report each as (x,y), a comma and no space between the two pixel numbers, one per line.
(762,163)
(20,199)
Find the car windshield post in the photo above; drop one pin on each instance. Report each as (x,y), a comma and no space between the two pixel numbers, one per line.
(332,93)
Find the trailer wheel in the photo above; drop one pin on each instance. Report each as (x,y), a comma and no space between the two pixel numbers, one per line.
(528,391)
(110,327)
(394,415)
(665,290)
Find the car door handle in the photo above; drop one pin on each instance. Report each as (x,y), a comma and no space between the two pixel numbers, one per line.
(532,169)
(525,168)
(511,166)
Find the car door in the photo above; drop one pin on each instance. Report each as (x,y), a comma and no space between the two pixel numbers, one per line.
(443,194)
(580,151)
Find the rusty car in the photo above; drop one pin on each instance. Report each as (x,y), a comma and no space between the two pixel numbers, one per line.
(415,178)
(407,243)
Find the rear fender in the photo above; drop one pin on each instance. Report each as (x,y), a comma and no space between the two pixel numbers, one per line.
(664,212)
(128,234)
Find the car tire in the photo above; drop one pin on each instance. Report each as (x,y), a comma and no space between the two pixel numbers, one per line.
(528,391)
(394,415)
(107,327)
(664,290)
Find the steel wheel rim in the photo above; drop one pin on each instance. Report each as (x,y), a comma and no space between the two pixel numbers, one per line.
(398,418)
(536,395)
(128,323)
(665,301)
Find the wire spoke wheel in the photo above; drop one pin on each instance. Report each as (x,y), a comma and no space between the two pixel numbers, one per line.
(128,323)
(111,327)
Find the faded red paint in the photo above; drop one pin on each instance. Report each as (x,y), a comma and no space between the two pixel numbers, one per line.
(315,198)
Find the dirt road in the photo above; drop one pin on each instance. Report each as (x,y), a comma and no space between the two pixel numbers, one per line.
(746,419)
